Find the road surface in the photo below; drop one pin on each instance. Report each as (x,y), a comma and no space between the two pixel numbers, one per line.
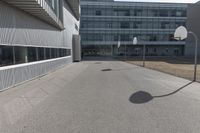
(102,97)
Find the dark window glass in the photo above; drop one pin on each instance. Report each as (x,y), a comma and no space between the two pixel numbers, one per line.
(98,13)
(6,55)
(61,51)
(41,53)
(138,12)
(65,52)
(171,37)
(124,37)
(121,12)
(48,53)
(20,55)
(68,53)
(16,55)
(53,53)
(155,50)
(154,12)
(164,13)
(116,37)
(165,25)
(125,25)
(32,54)
(153,38)
(57,53)
(137,25)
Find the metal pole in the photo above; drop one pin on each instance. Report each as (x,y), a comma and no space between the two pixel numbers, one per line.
(196,54)
(111,50)
(144,54)
(125,52)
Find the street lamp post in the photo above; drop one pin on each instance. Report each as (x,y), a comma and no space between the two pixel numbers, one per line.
(144,54)
(181,33)
(125,52)
(119,44)
(135,42)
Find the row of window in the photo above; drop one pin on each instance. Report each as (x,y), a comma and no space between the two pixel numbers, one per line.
(127,37)
(10,55)
(135,12)
(134,25)
(132,50)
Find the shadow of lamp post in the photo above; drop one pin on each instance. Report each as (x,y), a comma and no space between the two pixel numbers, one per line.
(181,33)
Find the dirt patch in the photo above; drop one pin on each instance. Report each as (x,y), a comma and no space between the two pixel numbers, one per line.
(178,66)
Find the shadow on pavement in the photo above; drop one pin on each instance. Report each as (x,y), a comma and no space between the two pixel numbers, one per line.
(141,97)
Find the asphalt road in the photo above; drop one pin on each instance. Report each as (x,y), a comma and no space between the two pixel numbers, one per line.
(102,97)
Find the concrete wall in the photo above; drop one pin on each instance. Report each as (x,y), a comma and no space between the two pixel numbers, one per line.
(193,24)
(21,28)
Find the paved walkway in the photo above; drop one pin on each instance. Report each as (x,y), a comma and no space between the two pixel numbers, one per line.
(102,97)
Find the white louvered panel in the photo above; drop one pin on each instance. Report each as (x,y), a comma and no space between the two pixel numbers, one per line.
(19,75)
(11,77)
(39,69)
(7,78)
(29,72)
(1,81)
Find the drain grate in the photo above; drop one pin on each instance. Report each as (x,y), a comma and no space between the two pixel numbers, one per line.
(97,63)
(105,70)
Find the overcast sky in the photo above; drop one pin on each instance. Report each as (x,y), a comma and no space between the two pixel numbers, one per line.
(174,1)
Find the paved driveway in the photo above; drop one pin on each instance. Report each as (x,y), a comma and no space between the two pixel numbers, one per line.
(102,97)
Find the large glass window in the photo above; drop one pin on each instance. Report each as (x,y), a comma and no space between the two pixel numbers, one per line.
(98,13)
(57,53)
(32,54)
(68,52)
(61,51)
(121,12)
(125,25)
(164,13)
(124,37)
(53,53)
(48,53)
(165,25)
(138,12)
(137,24)
(10,55)
(41,53)
(20,55)
(6,55)
(154,12)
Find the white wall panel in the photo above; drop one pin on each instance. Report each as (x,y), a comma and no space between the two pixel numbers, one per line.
(15,75)
(19,27)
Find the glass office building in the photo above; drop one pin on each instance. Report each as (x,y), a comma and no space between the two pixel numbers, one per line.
(106,22)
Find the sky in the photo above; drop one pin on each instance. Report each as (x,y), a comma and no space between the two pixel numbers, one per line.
(171,1)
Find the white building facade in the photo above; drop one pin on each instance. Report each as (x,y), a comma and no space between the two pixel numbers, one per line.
(35,38)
